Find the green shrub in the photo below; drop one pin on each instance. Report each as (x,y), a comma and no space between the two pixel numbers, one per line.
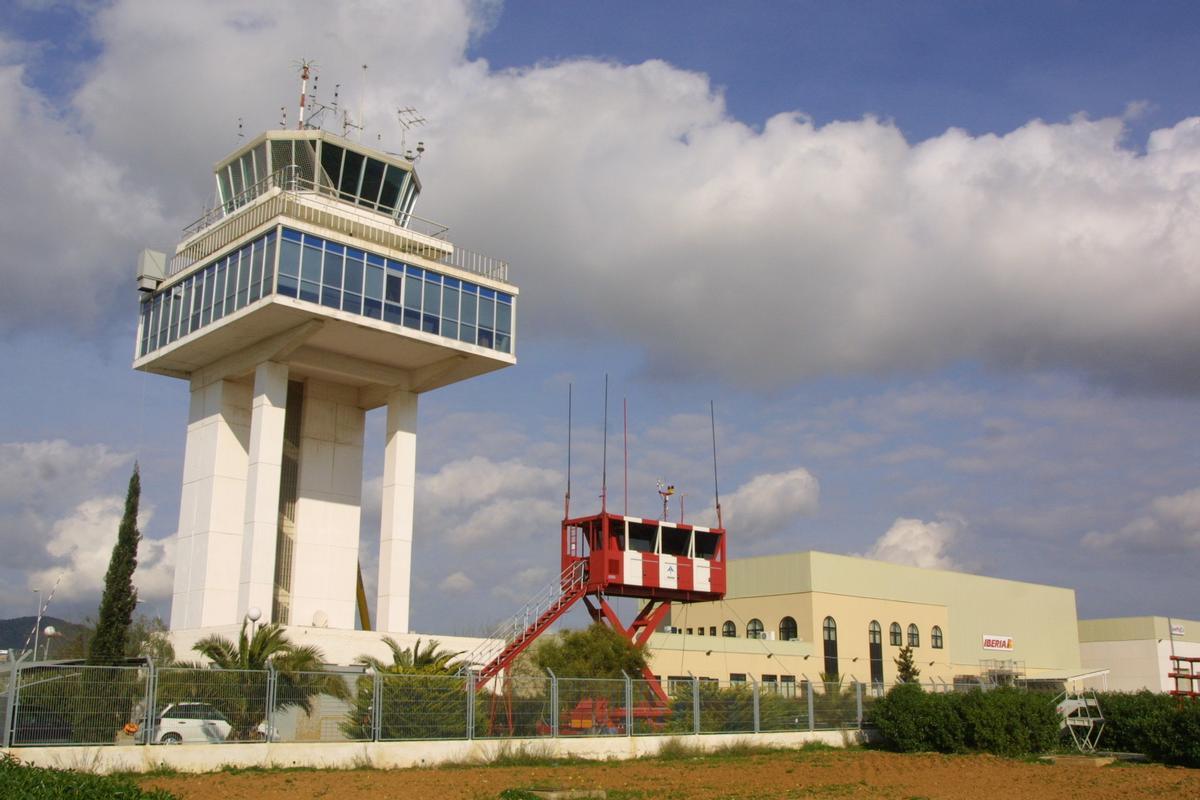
(35,783)
(1005,722)
(1161,727)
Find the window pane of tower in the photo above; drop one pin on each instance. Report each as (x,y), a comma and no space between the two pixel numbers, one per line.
(393,182)
(372,180)
(331,164)
(351,174)
(244,277)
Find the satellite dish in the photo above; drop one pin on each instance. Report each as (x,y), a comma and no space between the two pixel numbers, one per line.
(320,619)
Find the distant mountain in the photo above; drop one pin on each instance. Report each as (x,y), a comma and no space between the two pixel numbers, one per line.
(14,632)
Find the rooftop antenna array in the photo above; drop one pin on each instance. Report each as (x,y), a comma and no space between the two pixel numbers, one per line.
(306,68)
(409,119)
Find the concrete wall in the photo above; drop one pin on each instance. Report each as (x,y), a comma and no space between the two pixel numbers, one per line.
(388,755)
(1136,650)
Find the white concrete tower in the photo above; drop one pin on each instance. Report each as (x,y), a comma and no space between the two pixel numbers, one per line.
(309,295)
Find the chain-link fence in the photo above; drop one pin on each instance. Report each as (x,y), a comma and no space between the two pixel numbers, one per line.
(56,704)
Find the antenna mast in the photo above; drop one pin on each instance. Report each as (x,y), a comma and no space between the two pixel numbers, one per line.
(712,417)
(625,415)
(604,465)
(305,67)
(567,498)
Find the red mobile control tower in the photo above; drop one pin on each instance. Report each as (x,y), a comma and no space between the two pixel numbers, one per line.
(614,555)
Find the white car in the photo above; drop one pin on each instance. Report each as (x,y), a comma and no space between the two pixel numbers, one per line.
(190,722)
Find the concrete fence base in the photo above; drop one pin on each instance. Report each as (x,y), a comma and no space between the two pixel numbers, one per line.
(393,755)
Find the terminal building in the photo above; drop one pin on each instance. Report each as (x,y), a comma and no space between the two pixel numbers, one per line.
(1142,652)
(800,616)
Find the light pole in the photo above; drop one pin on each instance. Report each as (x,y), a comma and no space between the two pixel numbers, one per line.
(254,614)
(37,626)
(50,632)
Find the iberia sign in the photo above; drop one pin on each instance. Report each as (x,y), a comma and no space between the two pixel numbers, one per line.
(991,642)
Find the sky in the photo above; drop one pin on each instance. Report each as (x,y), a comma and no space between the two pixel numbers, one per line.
(932,263)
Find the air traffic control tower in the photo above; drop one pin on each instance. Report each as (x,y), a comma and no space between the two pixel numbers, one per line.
(307,296)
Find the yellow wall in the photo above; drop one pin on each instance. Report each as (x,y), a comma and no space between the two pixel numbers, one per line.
(810,586)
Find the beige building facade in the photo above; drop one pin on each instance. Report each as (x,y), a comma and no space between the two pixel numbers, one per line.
(798,616)
(1136,652)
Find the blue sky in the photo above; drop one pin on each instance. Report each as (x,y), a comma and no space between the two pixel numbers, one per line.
(933,262)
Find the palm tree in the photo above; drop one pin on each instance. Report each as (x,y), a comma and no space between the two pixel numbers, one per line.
(237,681)
(421,696)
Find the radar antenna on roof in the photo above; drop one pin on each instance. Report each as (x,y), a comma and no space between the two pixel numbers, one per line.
(306,68)
(409,119)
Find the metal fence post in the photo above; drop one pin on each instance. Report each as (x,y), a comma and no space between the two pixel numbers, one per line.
(470,705)
(757,706)
(151,691)
(811,722)
(696,705)
(376,707)
(628,704)
(553,703)
(858,695)
(10,705)
(271,679)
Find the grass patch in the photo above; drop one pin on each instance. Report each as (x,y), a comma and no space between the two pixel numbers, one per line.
(19,780)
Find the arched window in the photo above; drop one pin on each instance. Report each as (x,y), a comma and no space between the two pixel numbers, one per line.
(729,629)
(875,651)
(914,636)
(829,633)
(935,637)
(895,635)
(787,629)
(754,629)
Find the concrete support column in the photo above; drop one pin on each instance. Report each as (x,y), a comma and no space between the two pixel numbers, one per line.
(396,524)
(209,539)
(328,506)
(261,520)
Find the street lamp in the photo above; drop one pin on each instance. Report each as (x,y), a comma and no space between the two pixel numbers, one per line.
(254,614)
(50,632)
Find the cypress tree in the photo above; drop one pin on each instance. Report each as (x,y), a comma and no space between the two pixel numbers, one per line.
(906,668)
(120,598)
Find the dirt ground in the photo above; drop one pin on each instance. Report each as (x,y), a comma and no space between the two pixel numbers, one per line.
(851,773)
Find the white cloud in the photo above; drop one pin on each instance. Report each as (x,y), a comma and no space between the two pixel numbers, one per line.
(477,500)
(767,502)
(1049,246)
(456,582)
(920,544)
(80,546)
(1170,524)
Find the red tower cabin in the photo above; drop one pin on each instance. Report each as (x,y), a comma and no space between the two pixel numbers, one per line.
(651,559)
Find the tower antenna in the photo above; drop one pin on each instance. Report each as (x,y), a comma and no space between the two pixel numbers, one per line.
(604,465)
(712,417)
(567,497)
(625,416)
(306,67)
(409,119)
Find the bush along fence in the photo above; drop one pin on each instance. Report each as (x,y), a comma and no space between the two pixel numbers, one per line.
(56,704)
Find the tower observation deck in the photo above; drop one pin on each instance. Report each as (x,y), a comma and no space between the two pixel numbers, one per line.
(309,294)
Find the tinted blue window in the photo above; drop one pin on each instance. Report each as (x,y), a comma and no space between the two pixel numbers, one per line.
(503,342)
(314,241)
(374,281)
(468,308)
(449,329)
(287,285)
(268,279)
(412,293)
(391,313)
(487,312)
(504,298)
(466,333)
(377,261)
(430,323)
(333,270)
(219,292)
(433,299)
(485,338)
(331,296)
(310,291)
(372,308)
(354,275)
(488,293)
(310,264)
(289,258)
(414,271)
(336,249)
(451,282)
(289,234)
(449,302)
(412,319)
(394,287)
(352,303)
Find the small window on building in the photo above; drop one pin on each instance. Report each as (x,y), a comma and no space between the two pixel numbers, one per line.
(787,685)
(728,629)
(712,630)
(874,633)
(770,684)
(700,631)
(829,629)
(689,631)
(754,629)
(935,637)
(737,678)
(914,636)
(787,629)
(895,635)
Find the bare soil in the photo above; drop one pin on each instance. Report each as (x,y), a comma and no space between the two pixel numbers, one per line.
(801,774)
